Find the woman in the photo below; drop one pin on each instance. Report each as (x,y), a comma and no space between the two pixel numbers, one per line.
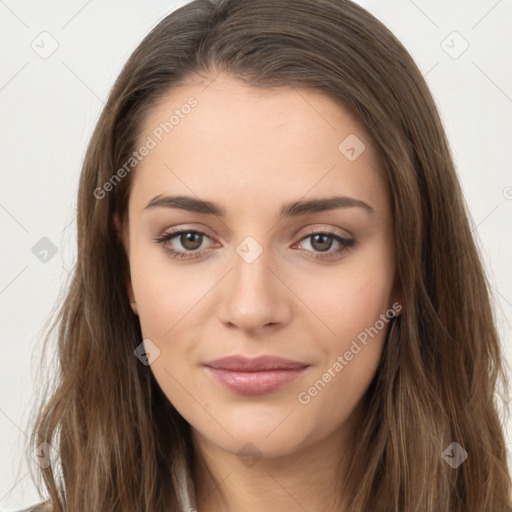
(277,302)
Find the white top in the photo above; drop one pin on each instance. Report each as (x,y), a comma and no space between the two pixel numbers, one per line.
(186,494)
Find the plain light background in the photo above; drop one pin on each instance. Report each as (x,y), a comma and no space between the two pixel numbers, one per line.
(50,104)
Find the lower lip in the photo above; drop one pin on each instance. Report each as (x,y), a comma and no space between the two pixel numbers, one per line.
(255,383)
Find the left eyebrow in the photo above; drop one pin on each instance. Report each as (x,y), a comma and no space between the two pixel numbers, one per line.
(293,209)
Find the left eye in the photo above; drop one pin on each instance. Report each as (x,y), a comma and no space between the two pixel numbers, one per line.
(192,240)
(322,242)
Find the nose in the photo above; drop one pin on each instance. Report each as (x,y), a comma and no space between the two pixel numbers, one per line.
(254,296)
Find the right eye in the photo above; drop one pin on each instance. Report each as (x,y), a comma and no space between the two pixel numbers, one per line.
(189,239)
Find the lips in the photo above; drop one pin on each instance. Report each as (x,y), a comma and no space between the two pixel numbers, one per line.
(262,363)
(256,376)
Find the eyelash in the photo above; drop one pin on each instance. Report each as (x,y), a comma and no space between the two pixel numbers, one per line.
(345,242)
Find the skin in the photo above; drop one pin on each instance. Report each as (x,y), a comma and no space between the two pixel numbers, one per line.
(252,150)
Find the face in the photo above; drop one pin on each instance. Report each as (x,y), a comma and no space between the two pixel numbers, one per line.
(265,322)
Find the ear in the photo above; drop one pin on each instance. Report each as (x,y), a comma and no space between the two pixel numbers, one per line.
(120,238)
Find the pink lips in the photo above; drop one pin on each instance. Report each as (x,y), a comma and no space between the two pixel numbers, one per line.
(254,376)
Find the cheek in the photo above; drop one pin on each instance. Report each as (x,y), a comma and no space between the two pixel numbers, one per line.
(166,292)
(354,308)
(170,298)
(350,298)
(350,360)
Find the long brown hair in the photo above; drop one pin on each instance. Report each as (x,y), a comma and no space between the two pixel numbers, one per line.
(121,443)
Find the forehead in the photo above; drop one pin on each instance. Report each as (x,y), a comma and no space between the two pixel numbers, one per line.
(224,138)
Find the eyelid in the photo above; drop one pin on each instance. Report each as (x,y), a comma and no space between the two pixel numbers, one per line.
(331,230)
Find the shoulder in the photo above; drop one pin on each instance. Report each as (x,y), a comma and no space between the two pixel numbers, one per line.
(40,507)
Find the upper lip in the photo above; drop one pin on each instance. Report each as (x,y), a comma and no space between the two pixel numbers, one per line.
(261,363)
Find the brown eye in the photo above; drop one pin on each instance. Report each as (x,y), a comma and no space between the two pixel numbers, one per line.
(321,242)
(191,240)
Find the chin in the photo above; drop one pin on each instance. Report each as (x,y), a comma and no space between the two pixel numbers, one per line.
(257,447)
(256,437)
